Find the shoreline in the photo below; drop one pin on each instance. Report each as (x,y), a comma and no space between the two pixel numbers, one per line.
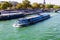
(13,14)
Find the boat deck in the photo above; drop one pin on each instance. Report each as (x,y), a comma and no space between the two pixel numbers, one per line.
(10,14)
(31,16)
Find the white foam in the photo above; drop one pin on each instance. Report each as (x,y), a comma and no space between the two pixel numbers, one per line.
(53,14)
(14,25)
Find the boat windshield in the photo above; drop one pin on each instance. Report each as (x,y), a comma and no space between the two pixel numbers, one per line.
(22,21)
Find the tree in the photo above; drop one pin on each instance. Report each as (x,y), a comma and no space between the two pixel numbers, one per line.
(0,6)
(41,6)
(35,5)
(48,6)
(26,4)
(55,7)
(4,5)
(59,7)
(18,6)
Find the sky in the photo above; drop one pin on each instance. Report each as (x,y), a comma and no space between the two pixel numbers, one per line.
(56,2)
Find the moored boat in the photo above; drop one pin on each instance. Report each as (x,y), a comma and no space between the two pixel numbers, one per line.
(9,16)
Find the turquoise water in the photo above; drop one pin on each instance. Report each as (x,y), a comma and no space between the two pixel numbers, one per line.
(45,30)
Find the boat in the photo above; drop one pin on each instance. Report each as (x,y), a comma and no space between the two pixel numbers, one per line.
(9,16)
(30,20)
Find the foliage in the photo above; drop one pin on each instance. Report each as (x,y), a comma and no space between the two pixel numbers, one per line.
(55,7)
(26,5)
(35,5)
(4,5)
(49,6)
(18,6)
(41,6)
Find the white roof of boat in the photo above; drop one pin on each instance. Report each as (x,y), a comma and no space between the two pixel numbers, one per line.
(31,16)
(9,14)
(44,14)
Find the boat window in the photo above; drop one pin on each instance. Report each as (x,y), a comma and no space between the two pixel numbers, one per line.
(0,13)
(28,19)
(23,21)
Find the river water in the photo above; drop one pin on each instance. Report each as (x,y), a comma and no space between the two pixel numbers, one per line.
(45,30)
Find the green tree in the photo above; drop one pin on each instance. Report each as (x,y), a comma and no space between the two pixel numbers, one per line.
(48,6)
(41,6)
(25,4)
(4,5)
(59,7)
(55,7)
(35,5)
(18,6)
(0,6)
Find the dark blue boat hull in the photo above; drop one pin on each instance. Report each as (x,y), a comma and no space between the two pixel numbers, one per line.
(37,20)
(8,17)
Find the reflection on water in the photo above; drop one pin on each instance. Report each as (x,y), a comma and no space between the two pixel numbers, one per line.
(46,30)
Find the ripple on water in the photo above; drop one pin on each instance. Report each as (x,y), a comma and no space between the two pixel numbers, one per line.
(46,30)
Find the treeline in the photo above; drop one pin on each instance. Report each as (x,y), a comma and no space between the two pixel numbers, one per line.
(26,4)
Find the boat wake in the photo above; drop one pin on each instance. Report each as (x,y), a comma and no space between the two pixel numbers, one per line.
(14,25)
(53,14)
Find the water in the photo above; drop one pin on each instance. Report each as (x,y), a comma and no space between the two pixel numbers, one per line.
(46,30)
